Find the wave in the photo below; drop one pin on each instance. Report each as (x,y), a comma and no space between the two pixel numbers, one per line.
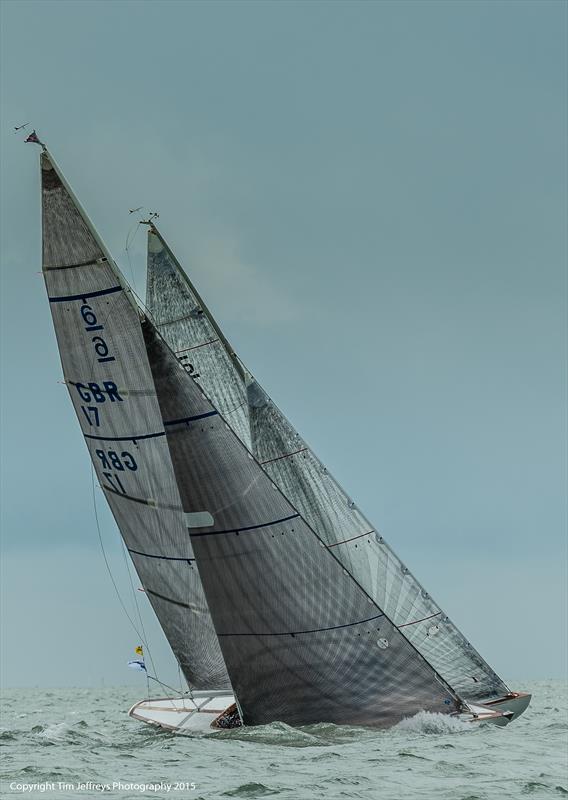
(426,722)
(251,790)
(68,733)
(275,733)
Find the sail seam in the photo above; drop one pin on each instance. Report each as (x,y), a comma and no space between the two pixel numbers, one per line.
(164,558)
(248,528)
(286,455)
(191,419)
(150,435)
(195,347)
(64,298)
(90,263)
(352,539)
(125,438)
(178,319)
(314,630)
(416,621)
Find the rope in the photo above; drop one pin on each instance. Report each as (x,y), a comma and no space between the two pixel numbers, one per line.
(120,600)
(141,637)
(135,599)
(129,240)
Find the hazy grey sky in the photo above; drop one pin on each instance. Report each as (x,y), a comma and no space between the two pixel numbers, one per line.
(372,199)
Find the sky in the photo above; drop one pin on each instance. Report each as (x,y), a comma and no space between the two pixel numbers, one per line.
(371,198)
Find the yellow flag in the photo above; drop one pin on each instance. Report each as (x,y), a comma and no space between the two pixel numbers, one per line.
(139,650)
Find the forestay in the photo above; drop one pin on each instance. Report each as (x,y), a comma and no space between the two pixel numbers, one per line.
(110,383)
(313,492)
(302,641)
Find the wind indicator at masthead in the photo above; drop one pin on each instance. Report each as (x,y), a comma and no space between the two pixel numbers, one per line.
(33,138)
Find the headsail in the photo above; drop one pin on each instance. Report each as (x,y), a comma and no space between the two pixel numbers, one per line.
(110,383)
(302,641)
(310,488)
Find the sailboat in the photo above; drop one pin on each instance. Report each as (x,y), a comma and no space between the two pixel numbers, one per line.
(279,599)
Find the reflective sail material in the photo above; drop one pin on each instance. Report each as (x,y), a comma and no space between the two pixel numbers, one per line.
(302,641)
(329,510)
(314,493)
(111,387)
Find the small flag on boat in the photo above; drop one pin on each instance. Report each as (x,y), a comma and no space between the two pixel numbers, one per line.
(139,665)
(139,651)
(34,139)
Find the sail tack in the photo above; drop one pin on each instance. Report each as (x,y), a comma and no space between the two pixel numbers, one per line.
(302,641)
(111,387)
(313,491)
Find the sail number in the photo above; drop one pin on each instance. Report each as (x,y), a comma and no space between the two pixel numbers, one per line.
(92,325)
(119,462)
(110,459)
(95,393)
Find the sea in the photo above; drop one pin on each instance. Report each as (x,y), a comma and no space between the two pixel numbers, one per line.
(80,743)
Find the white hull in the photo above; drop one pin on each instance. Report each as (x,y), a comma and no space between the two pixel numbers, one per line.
(499,712)
(202,711)
(184,714)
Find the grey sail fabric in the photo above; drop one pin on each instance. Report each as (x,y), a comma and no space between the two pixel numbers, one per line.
(303,643)
(181,316)
(110,383)
(331,512)
(326,507)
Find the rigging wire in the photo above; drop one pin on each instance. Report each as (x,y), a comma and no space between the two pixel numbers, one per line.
(135,599)
(166,686)
(109,570)
(131,236)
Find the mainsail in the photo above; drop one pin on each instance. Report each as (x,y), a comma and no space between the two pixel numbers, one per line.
(106,370)
(306,483)
(302,641)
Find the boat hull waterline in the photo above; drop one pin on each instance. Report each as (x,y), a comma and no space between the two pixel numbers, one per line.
(203,711)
